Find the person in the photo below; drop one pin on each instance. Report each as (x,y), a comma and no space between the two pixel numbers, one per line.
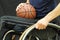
(45,12)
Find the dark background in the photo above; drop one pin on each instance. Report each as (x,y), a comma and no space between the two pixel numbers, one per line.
(8,7)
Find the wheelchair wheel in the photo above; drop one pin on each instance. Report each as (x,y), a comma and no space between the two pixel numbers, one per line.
(27,31)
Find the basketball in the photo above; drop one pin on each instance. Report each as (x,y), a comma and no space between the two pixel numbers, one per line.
(26,10)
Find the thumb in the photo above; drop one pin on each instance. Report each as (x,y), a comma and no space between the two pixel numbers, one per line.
(36,26)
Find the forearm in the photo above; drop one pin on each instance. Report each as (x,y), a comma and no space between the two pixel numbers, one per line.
(27,1)
(53,14)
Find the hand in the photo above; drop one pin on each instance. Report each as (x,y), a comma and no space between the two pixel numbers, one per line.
(19,6)
(41,24)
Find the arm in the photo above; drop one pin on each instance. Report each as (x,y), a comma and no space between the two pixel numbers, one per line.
(42,23)
(53,14)
(27,1)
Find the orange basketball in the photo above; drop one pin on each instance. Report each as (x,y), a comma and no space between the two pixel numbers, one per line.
(26,10)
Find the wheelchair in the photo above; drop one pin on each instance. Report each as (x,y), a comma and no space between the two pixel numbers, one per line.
(15,28)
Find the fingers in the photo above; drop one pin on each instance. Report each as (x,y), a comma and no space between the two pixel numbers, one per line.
(17,7)
(21,4)
(40,26)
